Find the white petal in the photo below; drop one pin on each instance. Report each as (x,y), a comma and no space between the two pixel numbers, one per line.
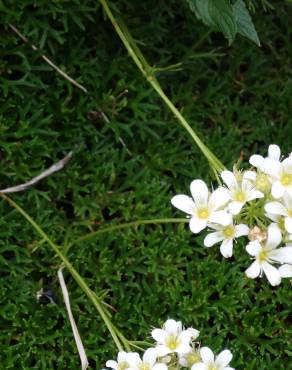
(199,366)
(226,248)
(272,273)
(199,192)
(288,224)
(213,238)
(249,175)
(122,356)
(277,190)
(254,194)
(229,179)
(159,367)
(220,217)
(287,165)
(241,230)
(253,248)
(172,326)
(185,336)
(159,335)
(289,191)
(207,355)
(276,208)
(223,359)
(285,271)
(254,270)
(256,160)
(183,348)
(219,198)
(287,201)
(272,168)
(275,218)
(150,356)
(183,362)
(274,152)
(274,237)
(184,203)
(194,333)
(197,224)
(235,207)
(162,350)
(282,255)
(111,364)
(133,359)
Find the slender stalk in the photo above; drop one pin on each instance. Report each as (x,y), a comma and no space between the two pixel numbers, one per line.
(79,280)
(154,221)
(47,60)
(147,72)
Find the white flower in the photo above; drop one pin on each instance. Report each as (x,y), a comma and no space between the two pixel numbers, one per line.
(190,358)
(286,271)
(259,180)
(266,254)
(226,235)
(282,209)
(203,208)
(274,153)
(148,362)
(209,362)
(281,173)
(173,338)
(240,191)
(121,363)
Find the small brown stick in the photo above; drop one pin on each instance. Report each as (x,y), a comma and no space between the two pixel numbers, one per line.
(54,168)
(63,74)
(46,59)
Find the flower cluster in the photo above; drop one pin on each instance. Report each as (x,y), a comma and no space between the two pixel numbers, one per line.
(175,348)
(256,203)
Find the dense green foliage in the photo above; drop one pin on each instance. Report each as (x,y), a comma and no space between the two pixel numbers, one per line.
(237,98)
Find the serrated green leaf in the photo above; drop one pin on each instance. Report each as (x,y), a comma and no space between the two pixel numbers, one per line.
(222,15)
(217,14)
(201,9)
(244,22)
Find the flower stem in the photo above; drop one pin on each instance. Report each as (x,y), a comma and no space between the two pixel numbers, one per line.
(148,73)
(154,221)
(116,335)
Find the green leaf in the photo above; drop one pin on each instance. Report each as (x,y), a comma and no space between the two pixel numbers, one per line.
(244,22)
(218,14)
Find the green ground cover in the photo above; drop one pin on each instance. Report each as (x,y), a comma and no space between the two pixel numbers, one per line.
(237,98)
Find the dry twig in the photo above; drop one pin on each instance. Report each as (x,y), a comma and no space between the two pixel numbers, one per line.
(54,168)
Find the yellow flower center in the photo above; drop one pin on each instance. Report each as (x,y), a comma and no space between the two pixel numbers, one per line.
(263,255)
(240,196)
(172,342)
(262,183)
(122,365)
(212,367)
(286,179)
(193,357)
(203,213)
(144,366)
(228,231)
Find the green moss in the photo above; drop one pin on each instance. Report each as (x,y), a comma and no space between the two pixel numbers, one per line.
(128,168)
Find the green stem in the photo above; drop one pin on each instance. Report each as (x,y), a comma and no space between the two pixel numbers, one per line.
(146,70)
(129,224)
(79,280)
